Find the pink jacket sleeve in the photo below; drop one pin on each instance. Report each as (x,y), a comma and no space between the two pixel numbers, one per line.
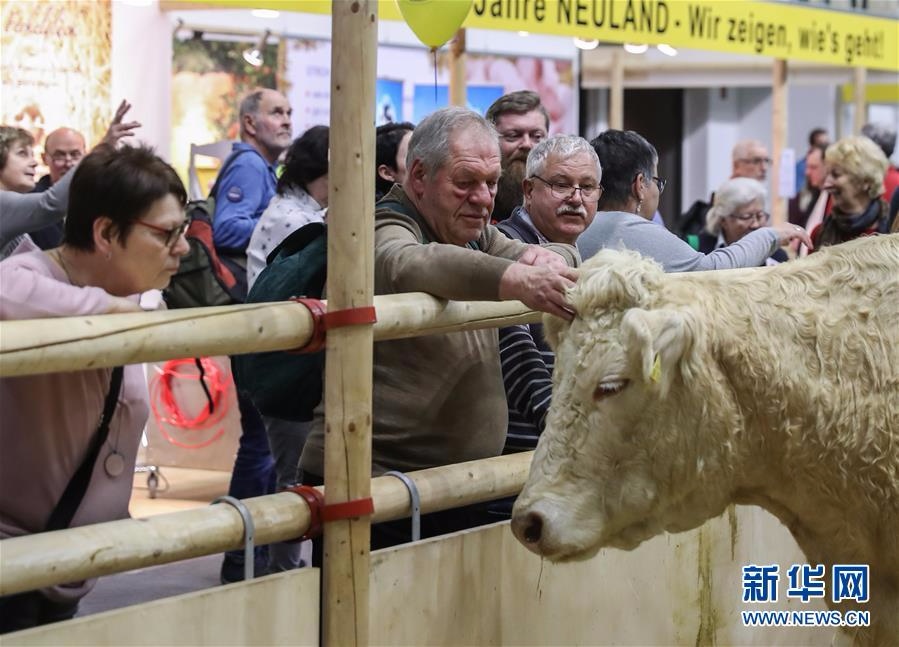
(28,292)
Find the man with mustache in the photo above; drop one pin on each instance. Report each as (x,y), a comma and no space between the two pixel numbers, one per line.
(439,399)
(522,123)
(561,191)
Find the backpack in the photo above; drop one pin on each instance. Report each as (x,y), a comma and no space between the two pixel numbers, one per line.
(282,384)
(203,277)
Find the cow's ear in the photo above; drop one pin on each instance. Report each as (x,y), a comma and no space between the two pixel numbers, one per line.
(553,328)
(656,342)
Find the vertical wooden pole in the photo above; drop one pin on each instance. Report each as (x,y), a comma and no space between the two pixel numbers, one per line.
(348,359)
(616,91)
(778,137)
(860,113)
(458,87)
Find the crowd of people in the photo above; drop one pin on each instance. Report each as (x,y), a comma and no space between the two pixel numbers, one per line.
(469,208)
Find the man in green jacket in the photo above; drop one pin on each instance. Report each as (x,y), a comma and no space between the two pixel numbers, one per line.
(439,399)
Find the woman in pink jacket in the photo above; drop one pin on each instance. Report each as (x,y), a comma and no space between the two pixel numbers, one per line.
(69,440)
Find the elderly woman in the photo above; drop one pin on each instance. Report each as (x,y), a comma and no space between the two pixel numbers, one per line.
(301,198)
(70,440)
(739,209)
(22,212)
(631,190)
(855,168)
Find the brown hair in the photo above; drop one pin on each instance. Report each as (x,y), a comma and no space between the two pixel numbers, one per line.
(520,102)
(9,137)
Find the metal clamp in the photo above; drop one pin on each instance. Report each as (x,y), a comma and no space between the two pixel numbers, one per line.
(416,502)
(249,532)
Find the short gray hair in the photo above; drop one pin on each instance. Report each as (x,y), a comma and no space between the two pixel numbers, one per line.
(741,148)
(730,196)
(563,147)
(430,141)
(249,105)
(881,134)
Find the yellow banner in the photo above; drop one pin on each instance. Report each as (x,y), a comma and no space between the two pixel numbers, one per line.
(737,26)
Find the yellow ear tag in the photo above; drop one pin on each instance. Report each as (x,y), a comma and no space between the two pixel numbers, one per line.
(656,374)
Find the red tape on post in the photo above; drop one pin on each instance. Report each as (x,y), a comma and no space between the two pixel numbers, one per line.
(347,510)
(323,321)
(319,513)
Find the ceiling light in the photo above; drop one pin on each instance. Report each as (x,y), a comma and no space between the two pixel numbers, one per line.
(635,49)
(268,14)
(586,44)
(667,50)
(253,55)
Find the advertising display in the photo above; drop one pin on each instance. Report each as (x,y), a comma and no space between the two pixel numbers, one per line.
(56,67)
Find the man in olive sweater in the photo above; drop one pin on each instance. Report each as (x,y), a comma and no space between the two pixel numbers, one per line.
(439,399)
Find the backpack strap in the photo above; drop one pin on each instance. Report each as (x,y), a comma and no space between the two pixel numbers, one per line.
(74,493)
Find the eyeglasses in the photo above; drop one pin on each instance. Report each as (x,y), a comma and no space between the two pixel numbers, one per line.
(512,136)
(171,235)
(756,161)
(62,156)
(661,183)
(759,216)
(564,190)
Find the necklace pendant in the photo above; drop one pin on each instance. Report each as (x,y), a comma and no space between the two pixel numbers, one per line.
(114,464)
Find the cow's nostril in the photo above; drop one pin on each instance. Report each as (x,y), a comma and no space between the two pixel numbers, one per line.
(533,528)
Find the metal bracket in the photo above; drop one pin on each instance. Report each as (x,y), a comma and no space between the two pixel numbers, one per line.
(416,502)
(249,532)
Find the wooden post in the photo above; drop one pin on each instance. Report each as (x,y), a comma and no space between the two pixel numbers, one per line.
(348,359)
(457,88)
(616,91)
(860,113)
(778,137)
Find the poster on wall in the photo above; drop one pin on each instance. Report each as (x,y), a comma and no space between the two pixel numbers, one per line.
(210,77)
(308,65)
(426,100)
(56,67)
(388,102)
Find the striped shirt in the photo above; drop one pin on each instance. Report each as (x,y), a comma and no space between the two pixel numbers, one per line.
(527,364)
(527,361)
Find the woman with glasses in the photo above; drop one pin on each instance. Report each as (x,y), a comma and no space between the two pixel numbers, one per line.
(22,212)
(631,190)
(70,440)
(854,168)
(739,209)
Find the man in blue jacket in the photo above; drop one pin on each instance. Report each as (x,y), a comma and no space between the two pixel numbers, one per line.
(248,181)
(243,192)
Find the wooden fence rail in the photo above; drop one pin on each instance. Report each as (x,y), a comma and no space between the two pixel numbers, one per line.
(50,558)
(35,346)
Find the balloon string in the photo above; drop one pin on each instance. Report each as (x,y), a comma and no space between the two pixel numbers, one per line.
(434,52)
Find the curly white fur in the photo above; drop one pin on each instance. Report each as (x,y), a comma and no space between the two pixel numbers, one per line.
(777,387)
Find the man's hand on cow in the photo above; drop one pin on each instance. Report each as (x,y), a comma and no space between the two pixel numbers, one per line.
(539,287)
(786,233)
(538,256)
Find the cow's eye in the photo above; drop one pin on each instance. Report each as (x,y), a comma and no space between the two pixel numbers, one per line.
(607,388)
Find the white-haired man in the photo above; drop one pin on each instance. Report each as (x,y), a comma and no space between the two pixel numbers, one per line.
(561,190)
(749,158)
(439,399)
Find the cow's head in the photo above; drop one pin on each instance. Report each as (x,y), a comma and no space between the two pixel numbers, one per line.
(618,460)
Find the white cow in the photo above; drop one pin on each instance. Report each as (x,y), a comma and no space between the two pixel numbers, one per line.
(677,395)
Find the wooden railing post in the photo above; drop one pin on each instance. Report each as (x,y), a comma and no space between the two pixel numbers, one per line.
(348,360)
